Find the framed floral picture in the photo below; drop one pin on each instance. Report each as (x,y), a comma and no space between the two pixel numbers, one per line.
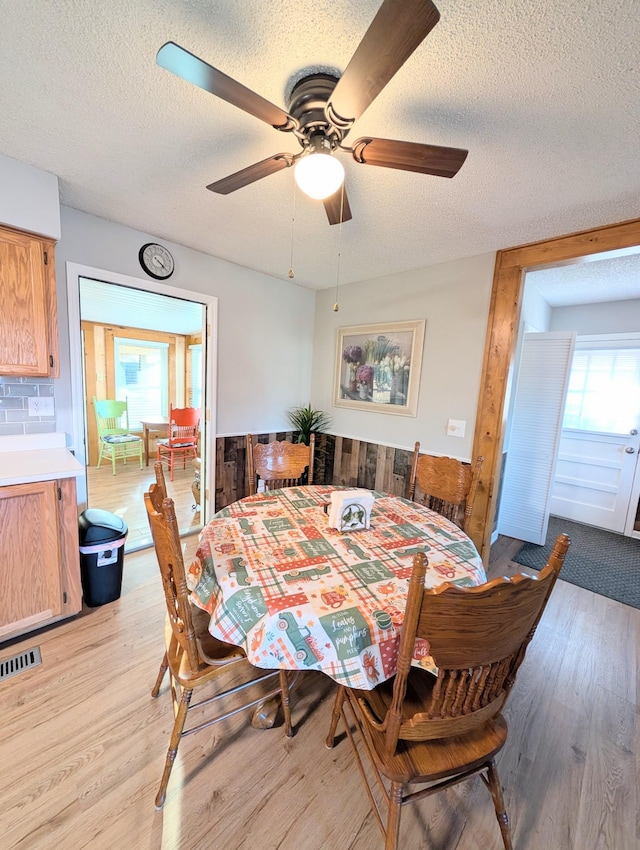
(378,367)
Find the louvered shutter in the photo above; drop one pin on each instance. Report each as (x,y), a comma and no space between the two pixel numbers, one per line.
(536,425)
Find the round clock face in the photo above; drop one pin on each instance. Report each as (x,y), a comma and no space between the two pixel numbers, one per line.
(156,261)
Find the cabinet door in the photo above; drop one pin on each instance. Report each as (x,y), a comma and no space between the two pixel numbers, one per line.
(69,547)
(25,305)
(30,574)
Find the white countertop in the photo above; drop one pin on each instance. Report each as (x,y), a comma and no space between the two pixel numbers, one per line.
(26,458)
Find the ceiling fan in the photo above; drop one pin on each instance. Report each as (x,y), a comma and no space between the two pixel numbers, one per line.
(323,108)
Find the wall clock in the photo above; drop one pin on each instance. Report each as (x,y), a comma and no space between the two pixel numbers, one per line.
(156,260)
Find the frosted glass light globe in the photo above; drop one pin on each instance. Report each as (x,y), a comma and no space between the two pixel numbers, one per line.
(319,175)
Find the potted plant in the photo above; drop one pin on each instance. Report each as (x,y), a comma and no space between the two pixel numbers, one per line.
(307,420)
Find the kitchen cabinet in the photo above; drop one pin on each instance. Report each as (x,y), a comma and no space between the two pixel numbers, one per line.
(28,315)
(39,556)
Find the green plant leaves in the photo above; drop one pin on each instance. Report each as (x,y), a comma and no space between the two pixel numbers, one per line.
(308,420)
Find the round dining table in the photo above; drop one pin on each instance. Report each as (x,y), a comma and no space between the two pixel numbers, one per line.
(299,595)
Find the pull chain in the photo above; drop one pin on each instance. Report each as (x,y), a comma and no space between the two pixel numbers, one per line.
(293,221)
(336,306)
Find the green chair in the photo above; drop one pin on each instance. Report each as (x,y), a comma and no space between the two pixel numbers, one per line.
(114,437)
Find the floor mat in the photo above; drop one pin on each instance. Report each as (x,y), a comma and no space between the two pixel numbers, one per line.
(605,563)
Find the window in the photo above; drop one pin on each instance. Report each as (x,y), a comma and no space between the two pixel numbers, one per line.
(142,380)
(604,390)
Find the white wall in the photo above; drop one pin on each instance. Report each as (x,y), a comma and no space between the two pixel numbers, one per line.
(265,325)
(536,312)
(606,318)
(454,299)
(29,198)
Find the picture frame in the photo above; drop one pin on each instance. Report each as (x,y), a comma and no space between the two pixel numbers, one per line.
(378,367)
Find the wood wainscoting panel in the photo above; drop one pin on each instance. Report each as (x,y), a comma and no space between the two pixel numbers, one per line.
(358,463)
(339,461)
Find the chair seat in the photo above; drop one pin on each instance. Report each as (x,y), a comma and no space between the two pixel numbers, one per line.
(426,761)
(122,438)
(214,654)
(186,445)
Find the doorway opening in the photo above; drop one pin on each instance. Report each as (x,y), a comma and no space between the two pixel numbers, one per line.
(574,415)
(149,348)
(504,316)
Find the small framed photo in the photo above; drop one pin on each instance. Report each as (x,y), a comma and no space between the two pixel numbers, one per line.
(378,367)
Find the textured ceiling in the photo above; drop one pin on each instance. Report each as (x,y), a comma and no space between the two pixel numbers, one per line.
(614,278)
(107,303)
(545,96)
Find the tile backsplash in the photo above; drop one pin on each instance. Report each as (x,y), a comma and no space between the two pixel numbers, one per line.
(14,405)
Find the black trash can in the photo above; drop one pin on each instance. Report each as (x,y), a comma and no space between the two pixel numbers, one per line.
(102,535)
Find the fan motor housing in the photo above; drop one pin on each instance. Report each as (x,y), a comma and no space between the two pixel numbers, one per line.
(307,105)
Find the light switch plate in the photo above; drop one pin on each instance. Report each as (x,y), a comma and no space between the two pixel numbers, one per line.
(41,406)
(456,427)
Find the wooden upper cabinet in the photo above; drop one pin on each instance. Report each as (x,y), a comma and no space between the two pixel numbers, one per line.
(28,318)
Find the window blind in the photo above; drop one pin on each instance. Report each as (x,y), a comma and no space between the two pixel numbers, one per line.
(195,376)
(604,390)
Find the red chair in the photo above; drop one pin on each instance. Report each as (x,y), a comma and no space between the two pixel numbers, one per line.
(184,423)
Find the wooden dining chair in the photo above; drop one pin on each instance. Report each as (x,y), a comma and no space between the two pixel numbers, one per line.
(445,485)
(114,438)
(194,658)
(418,728)
(184,424)
(279,464)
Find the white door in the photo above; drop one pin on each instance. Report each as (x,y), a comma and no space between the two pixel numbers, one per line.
(536,423)
(598,454)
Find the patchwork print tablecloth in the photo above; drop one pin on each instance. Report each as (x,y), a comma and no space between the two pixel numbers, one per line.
(299,595)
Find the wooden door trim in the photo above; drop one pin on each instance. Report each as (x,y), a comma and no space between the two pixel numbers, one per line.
(504,316)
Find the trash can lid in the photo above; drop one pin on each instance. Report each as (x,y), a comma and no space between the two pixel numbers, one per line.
(98,526)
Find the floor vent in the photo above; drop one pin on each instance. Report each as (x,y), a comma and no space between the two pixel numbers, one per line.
(18,663)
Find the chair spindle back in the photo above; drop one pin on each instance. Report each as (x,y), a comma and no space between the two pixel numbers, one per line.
(477,637)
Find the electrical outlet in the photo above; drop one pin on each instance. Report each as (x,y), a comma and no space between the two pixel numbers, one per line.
(456,427)
(41,406)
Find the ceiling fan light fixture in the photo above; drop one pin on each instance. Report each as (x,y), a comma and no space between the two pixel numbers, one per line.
(324,104)
(319,174)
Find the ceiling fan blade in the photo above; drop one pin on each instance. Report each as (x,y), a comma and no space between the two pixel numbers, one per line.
(252,173)
(179,61)
(395,32)
(334,203)
(409,156)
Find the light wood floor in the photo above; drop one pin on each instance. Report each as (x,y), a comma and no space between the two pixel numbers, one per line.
(83,747)
(123,494)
